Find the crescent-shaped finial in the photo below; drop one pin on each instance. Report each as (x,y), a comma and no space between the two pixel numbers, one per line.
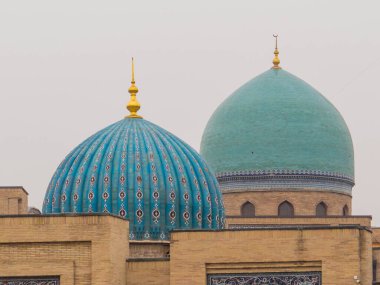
(276,60)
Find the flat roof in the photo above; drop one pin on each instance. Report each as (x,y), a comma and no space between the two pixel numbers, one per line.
(300,217)
(62,215)
(279,227)
(147,259)
(15,187)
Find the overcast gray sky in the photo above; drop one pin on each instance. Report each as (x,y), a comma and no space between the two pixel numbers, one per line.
(65,72)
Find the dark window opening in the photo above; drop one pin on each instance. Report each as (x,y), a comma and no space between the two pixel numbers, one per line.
(346,211)
(321,210)
(374,269)
(248,210)
(285,209)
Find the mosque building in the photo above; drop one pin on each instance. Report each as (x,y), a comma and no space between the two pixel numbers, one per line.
(266,202)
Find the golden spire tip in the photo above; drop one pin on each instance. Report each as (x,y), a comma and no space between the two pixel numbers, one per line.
(133,105)
(276,60)
(133,71)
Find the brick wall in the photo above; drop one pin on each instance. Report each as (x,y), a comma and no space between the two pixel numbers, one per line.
(148,272)
(148,249)
(300,220)
(13,201)
(81,249)
(376,251)
(304,202)
(342,252)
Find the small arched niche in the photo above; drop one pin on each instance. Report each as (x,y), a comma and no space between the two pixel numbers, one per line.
(247,210)
(286,209)
(321,210)
(346,211)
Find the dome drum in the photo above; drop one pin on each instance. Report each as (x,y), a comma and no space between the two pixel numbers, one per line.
(268,201)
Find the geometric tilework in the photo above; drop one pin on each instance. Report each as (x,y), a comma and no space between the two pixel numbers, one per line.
(296,278)
(285,179)
(29,281)
(285,172)
(141,172)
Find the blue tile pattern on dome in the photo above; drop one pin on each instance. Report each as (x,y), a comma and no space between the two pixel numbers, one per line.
(141,172)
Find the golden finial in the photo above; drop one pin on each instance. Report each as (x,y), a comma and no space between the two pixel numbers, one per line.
(133,105)
(276,60)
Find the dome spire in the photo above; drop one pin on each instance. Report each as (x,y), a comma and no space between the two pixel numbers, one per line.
(276,60)
(133,105)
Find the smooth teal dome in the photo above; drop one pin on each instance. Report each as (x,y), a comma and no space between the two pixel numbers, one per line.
(139,171)
(279,127)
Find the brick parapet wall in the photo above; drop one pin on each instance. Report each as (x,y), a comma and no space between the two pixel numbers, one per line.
(95,247)
(341,251)
(13,200)
(148,272)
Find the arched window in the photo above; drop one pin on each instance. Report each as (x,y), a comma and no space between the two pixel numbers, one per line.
(285,209)
(321,210)
(248,210)
(346,211)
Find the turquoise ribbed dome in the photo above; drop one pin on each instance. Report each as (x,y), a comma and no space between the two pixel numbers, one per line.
(141,172)
(279,127)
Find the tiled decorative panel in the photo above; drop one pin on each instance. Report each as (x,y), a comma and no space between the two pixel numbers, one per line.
(29,280)
(296,278)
